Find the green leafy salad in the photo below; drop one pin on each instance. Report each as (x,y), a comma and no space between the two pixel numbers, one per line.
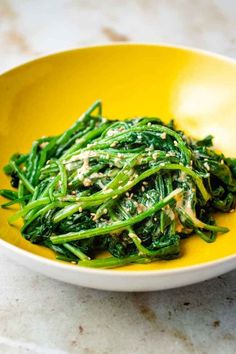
(134,188)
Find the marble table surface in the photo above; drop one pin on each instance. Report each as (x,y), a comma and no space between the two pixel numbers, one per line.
(43,316)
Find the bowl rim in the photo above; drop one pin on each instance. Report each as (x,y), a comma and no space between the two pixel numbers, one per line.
(60,265)
(180,47)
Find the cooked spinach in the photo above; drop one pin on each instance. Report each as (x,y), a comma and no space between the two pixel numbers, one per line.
(134,188)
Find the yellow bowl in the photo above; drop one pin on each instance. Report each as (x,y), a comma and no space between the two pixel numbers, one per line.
(195,88)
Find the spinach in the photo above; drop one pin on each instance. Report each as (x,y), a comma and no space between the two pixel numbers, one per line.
(134,188)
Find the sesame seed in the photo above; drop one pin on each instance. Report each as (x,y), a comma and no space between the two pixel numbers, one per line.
(143,189)
(80,209)
(149,124)
(206,165)
(105,211)
(175,143)
(171,153)
(43,145)
(163,135)
(154,156)
(87,182)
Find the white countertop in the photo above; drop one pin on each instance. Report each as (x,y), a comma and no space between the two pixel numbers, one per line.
(40,315)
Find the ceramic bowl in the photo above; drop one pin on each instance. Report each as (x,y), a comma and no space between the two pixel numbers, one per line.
(45,96)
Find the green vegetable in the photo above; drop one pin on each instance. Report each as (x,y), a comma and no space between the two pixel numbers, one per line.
(134,188)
